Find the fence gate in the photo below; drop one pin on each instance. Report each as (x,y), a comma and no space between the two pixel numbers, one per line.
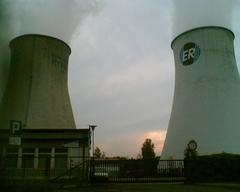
(137,170)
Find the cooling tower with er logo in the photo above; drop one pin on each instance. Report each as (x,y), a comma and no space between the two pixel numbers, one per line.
(206,104)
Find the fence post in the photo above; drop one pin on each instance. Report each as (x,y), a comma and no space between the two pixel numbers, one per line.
(189,164)
(92,169)
(24,167)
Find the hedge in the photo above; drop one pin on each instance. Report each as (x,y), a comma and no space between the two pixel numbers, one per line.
(214,168)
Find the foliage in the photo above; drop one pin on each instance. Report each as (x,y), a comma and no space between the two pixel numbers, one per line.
(116,158)
(216,168)
(148,150)
(98,154)
(139,156)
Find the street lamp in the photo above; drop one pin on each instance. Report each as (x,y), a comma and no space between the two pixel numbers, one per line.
(92,128)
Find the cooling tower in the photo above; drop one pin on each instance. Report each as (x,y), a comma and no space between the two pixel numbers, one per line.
(206,106)
(37,92)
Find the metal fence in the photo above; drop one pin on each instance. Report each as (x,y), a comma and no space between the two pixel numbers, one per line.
(94,170)
(137,170)
(64,167)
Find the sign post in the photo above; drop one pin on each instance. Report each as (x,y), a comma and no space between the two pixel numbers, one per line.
(15,132)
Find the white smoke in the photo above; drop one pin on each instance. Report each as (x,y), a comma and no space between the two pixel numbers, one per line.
(58,18)
(189,14)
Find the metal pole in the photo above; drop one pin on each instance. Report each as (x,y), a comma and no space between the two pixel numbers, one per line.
(92,127)
(93,143)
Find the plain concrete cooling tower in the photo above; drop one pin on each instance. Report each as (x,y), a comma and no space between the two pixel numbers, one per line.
(206,105)
(37,91)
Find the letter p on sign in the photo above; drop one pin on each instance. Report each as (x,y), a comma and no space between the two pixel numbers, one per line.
(16,128)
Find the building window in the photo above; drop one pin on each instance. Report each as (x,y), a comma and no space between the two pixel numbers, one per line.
(27,161)
(11,161)
(45,150)
(44,162)
(61,150)
(60,163)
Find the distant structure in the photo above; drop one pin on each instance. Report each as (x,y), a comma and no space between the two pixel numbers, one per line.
(206,105)
(38,136)
(37,92)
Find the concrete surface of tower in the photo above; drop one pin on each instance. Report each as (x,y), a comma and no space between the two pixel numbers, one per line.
(37,92)
(206,104)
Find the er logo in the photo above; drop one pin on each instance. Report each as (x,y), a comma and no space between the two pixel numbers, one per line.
(189,53)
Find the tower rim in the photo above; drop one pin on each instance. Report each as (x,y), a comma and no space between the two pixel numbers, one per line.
(40,35)
(199,28)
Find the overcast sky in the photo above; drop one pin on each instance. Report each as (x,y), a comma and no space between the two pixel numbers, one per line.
(121,74)
(121,70)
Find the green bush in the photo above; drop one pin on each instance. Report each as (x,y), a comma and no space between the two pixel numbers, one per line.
(215,168)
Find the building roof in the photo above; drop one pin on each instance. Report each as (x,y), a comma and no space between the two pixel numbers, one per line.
(50,134)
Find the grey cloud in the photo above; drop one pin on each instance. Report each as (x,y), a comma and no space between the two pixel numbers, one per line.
(122,74)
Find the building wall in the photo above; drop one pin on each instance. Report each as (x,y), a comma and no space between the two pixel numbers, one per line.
(41,163)
(206,103)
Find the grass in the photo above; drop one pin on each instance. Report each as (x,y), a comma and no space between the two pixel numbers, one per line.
(124,187)
(26,186)
(151,187)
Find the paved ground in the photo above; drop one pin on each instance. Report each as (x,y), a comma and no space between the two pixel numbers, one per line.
(124,187)
(154,187)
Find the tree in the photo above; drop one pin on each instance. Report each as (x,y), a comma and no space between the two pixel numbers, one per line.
(148,150)
(98,154)
(139,156)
